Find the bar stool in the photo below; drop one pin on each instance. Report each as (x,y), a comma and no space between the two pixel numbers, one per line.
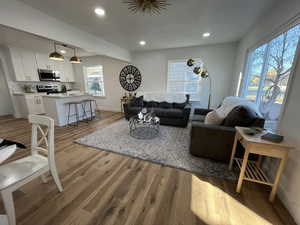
(90,102)
(76,114)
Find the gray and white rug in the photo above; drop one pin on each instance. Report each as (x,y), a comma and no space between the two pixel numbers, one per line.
(170,148)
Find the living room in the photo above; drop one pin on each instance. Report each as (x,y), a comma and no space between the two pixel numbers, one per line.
(143,110)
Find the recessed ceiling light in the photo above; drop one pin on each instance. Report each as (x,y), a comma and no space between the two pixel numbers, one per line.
(100,12)
(206,34)
(142,43)
(63,51)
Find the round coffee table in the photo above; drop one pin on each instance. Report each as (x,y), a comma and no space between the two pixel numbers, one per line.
(144,129)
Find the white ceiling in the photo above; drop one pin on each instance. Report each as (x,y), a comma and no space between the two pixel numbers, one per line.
(181,25)
(10,36)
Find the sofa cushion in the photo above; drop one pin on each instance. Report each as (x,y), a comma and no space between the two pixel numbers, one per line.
(179,105)
(165,105)
(241,116)
(137,102)
(152,104)
(170,113)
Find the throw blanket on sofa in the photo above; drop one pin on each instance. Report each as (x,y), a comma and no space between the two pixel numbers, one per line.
(231,102)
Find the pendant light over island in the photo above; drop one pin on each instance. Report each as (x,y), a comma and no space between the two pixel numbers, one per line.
(59,57)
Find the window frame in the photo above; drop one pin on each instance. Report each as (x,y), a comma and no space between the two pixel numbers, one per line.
(170,61)
(86,80)
(282,29)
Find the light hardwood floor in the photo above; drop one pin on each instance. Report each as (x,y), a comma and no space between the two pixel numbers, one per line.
(103,188)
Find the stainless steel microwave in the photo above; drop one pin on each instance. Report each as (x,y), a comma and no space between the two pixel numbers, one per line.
(49,75)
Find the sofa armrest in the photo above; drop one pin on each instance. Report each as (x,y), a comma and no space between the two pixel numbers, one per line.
(212,141)
(187,111)
(203,112)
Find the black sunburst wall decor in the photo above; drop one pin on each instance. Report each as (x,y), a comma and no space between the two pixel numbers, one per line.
(130,78)
(147,6)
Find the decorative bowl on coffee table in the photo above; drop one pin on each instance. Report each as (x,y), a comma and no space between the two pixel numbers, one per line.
(146,127)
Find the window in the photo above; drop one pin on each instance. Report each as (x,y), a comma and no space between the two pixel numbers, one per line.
(94,80)
(268,72)
(181,79)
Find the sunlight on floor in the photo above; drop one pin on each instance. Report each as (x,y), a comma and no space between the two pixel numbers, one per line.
(222,212)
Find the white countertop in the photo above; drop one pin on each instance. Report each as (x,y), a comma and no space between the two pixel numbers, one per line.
(34,93)
(67,95)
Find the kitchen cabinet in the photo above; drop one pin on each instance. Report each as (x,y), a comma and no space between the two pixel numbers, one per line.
(24,64)
(34,104)
(29,104)
(29,65)
(43,62)
(67,74)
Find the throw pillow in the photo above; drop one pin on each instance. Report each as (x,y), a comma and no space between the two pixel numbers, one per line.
(241,116)
(137,102)
(213,118)
(179,105)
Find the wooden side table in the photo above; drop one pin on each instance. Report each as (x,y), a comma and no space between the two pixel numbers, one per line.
(251,170)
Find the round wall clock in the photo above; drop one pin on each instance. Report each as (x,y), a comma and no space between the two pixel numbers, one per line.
(130,78)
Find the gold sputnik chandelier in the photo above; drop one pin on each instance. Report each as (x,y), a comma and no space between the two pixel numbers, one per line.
(147,6)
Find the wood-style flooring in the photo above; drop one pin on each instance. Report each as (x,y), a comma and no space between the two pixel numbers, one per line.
(102,188)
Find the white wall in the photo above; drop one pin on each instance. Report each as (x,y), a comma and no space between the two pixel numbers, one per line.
(6,107)
(219,60)
(112,87)
(7,69)
(18,15)
(290,124)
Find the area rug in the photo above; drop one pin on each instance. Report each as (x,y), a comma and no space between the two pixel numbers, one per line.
(170,148)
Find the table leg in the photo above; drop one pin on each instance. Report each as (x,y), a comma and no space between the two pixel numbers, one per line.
(233,151)
(277,178)
(242,172)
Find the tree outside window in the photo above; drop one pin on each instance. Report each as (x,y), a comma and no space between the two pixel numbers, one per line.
(94,80)
(268,73)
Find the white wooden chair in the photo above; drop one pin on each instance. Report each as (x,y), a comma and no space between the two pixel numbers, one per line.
(18,173)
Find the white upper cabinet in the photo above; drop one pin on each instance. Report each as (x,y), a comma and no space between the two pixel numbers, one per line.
(24,63)
(67,74)
(29,65)
(43,62)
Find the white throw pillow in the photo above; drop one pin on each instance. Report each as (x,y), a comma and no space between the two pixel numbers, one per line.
(213,118)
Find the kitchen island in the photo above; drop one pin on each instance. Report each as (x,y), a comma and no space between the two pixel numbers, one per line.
(56,108)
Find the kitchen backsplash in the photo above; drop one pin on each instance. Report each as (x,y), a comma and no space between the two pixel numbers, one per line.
(19,86)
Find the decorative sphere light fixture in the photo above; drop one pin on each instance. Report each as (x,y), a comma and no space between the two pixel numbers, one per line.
(147,6)
(201,71)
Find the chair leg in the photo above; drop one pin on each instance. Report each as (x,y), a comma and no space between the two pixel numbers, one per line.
(56,178)
(8,202)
